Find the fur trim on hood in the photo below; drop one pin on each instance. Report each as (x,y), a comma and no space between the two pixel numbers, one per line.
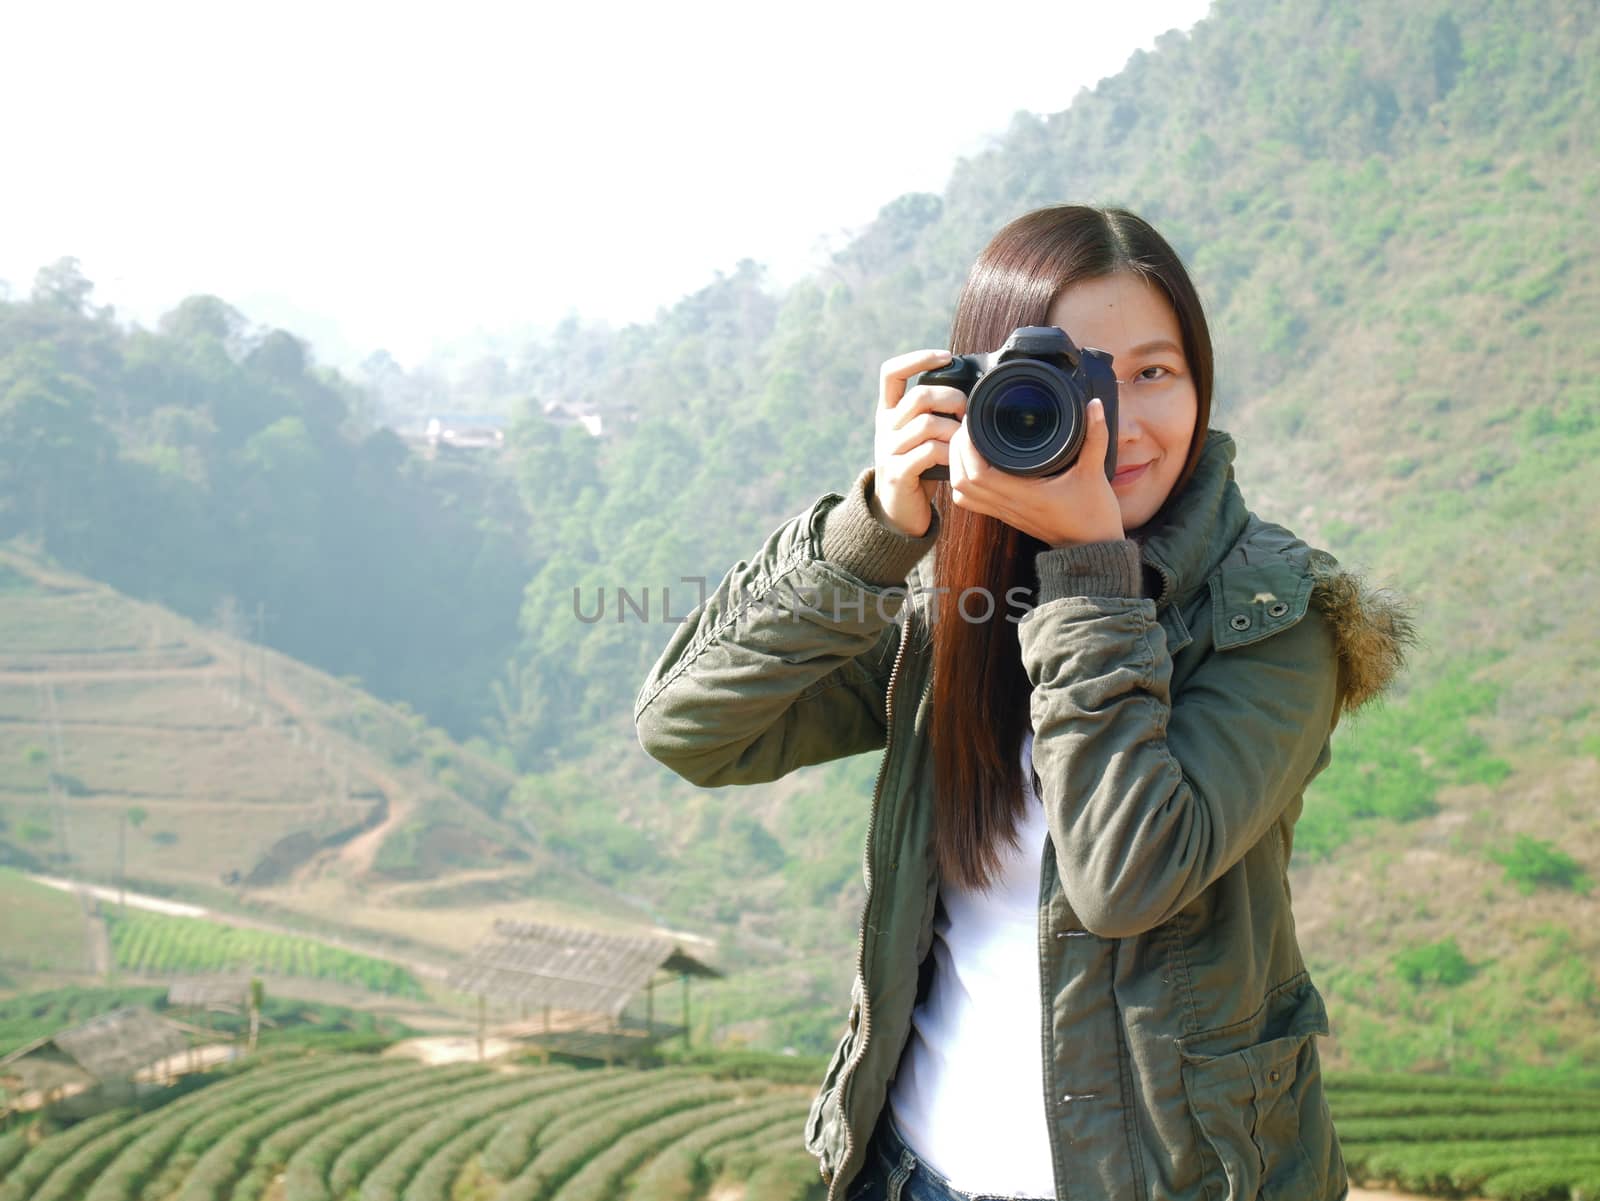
(1372,626)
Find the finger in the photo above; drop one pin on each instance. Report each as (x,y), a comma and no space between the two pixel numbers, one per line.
(911,464)
(964,459)
(976,466)
(925,427)
(1096,438)
(893,374)
(919,458)
(929,398)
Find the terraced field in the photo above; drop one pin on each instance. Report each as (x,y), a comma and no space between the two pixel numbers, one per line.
(369,1128)
(360,1127)
(1455,1137)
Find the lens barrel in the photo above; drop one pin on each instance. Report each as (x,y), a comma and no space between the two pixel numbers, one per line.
(1028,417)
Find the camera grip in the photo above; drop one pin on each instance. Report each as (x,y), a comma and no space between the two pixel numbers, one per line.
(960,372)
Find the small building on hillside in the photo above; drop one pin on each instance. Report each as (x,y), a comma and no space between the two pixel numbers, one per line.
(560,413)
(571,988)
(108,1051)
(454,436)
(462,435)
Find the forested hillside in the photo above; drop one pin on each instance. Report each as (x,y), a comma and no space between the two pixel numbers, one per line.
(210,466)
(1388,210)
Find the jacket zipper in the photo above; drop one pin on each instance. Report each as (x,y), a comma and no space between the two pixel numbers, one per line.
(866,870)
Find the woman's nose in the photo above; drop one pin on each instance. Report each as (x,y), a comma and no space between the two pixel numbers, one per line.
(1127,423)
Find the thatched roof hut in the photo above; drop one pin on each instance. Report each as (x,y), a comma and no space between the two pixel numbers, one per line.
(109,1049)
(581,980)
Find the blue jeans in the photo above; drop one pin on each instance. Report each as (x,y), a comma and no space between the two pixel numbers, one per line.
(894,1173)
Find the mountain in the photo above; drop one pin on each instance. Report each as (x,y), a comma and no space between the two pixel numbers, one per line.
(1388,210)
(1389,213)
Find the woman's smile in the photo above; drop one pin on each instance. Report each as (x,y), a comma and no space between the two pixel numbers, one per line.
(1127,476)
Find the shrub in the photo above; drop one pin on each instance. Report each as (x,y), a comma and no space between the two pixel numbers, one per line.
(1435,963)
(1531,862)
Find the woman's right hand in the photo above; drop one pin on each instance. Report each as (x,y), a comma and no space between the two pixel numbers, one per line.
(912,435)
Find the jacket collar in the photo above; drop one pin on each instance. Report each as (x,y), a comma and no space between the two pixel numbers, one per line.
(1186,539)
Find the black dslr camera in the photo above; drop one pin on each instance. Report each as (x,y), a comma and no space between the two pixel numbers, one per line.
(1027,403)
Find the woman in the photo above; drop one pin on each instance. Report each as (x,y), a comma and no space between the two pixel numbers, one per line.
(1077,972)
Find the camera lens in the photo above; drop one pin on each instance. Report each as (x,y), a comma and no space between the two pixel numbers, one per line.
(1026,416)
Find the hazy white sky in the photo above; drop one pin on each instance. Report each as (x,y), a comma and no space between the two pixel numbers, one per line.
(406,175)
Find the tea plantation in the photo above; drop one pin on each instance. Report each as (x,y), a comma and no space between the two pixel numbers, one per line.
(1453,1137)
(358,1127)
(370,1128)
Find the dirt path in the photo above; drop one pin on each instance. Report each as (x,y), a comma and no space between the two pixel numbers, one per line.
(399,891)
(1363,1194)
(451,1049)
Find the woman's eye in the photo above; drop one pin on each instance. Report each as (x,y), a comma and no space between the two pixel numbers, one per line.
(1151,374)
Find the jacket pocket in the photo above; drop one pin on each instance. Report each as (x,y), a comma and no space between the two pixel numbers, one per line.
(1264,1126)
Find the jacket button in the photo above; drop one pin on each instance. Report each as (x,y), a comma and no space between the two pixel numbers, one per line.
(1239,621)
(1277,610)
(1274,1075)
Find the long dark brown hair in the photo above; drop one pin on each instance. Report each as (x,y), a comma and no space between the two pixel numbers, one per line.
(980,688)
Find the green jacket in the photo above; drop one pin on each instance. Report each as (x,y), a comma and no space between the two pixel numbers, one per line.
(1184,691)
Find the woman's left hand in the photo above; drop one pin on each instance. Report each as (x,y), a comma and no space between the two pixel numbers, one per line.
(1074,507)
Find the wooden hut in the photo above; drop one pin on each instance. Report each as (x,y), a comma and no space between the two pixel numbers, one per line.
(571,987)
(109,1051)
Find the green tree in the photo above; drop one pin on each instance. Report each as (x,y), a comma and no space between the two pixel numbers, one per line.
(62,285)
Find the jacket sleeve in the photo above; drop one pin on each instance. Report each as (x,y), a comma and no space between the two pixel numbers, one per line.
(1151,797)
(787,662)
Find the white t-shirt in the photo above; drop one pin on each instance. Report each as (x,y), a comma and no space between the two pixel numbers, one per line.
(969,1096)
